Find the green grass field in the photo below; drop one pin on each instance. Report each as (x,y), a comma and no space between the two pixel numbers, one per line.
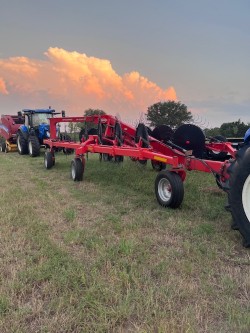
(102,256)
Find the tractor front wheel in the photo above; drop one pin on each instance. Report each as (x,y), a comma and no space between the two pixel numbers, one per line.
(239,193)
(169,189)
(34,146)
(77,169)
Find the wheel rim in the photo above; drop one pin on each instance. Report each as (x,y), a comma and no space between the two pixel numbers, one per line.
(18,143)
(165,189)
(73,171)
(246,198)
(46,161)
(30,148)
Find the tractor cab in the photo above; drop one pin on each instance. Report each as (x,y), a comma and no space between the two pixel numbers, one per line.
(34,118)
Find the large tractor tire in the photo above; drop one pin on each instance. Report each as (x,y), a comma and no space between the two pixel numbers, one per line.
(34,146)
(239,193)
(22,144)
(169,189)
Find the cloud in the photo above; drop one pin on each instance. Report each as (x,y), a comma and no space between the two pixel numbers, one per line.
(75,82)
(3,89)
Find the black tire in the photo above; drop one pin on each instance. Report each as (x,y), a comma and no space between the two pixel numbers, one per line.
(158,166)
(34,146)
(22,144)
(77,169)
(190,137)
(3,147)
(163,133)
(49,160)
(239,193)
(169,189)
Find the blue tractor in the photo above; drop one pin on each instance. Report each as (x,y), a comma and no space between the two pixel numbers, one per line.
(35,129)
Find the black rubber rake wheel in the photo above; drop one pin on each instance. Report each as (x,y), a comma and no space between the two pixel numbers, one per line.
(163,133)
(190,137)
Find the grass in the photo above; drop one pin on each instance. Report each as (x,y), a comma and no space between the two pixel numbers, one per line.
(102,256)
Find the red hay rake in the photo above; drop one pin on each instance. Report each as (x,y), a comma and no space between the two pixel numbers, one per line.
(183,152)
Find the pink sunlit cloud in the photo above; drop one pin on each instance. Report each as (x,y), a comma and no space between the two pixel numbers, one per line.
(75,82)
(3,89)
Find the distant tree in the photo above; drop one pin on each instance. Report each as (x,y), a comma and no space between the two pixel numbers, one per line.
(234,129)
(211,132)
(92,112)
(169,113)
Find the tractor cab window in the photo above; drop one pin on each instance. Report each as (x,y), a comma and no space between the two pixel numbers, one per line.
(41,118)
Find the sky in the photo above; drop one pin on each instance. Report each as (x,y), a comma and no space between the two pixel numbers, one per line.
(123,56)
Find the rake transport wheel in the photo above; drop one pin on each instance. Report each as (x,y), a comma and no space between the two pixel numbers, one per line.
(49,160)
(34,146)
(239,193)
(169,189)
(77,169)
(22,144)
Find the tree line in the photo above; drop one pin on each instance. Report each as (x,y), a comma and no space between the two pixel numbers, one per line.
(175,114)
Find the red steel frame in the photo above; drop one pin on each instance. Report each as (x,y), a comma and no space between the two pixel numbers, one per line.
(157,151)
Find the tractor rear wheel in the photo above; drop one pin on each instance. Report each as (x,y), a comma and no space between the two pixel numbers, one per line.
(169,189)
(77,169)
(239,193)
(49,160)
(22,144)
(34,146)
